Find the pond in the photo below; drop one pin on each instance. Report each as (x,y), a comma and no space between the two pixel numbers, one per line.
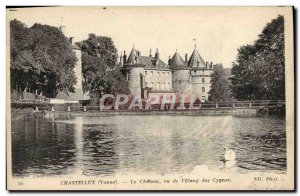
(105,146)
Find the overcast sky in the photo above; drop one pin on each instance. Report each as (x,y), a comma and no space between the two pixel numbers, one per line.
(219,31)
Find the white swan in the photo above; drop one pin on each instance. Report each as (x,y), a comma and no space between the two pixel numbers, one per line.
(229,155)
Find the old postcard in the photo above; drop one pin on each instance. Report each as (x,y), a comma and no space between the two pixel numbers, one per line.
(150,98)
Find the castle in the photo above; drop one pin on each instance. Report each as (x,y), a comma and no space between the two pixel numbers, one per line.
(149,74)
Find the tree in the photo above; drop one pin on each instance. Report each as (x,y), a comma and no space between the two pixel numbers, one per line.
(220,85)
(41,59)
(99,66)
(259,70)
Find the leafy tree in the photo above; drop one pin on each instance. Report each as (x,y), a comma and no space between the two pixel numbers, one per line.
(259,70)
(99,66)
(243,84)
(41,59)
(220,85)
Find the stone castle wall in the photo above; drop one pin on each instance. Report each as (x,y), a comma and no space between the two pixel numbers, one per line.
(158,80)
(181,81)
(185,81)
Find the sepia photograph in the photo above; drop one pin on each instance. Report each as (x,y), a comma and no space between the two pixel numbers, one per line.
(150,98)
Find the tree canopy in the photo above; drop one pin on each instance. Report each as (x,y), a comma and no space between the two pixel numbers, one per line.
(41,59)
(259,70)
(220,85)
(99,66)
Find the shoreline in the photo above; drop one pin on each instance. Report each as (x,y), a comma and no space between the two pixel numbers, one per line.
(29,113)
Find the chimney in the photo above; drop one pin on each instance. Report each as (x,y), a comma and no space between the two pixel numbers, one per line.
(62,29)
(186,57)
(211,65)
(157,54)
(71,40)
(150,55)
(169,61)
(121,59)
(124,57)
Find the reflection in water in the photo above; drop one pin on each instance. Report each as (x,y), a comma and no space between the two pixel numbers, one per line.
(146,144)
(42,148)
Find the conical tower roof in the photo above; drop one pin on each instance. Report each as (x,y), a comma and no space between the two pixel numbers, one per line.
(133,58)
(196,60)
(177,61)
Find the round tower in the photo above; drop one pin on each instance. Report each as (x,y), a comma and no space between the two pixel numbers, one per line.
(200,76)
(180,74)
(134,72)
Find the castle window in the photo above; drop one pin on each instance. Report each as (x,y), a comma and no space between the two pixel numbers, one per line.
(203,80)
(158,73)
(158,86)
(163,86)
(146,84)
(145,72)
(151,73)
(164,74)
(151,84)
(203,89)
(169,87)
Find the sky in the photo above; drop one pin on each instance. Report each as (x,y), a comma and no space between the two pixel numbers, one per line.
(218,31)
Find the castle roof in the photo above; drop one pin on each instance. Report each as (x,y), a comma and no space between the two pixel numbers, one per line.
(196,60)
(148,62)
(152,62)
(176,61)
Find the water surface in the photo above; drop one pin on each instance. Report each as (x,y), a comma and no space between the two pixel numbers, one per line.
(104,146)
